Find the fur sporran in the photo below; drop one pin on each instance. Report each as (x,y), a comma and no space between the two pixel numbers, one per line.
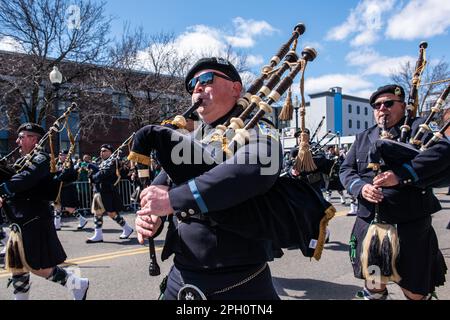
(97,207)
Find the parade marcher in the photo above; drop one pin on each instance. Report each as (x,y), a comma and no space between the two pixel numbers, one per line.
(353,206)
(405,192)
(68,201)
(315,178)
(220,264)
(23,197)
(333,183)
(106,196)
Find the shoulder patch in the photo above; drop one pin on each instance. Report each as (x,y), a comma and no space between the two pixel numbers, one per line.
(39,158)
(268,130)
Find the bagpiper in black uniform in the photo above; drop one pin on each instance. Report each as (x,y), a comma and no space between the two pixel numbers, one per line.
(315,178)
(69,194)
(333,182)
(26,200)
(106,196)
(209,261)
(409,204)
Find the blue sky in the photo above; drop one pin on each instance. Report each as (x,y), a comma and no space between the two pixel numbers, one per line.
(359,42)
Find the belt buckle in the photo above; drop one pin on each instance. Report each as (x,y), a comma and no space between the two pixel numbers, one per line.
(190,292)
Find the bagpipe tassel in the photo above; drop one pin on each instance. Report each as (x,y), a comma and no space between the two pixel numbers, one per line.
(329,214)
(288,108)
(386,257)
(374,257)
(390,248)
(304,161)
(15,253)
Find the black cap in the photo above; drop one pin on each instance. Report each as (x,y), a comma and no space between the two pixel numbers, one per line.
(390,88)
(107,146)
(213,63)
(299,131)
(31,127)
(65,151)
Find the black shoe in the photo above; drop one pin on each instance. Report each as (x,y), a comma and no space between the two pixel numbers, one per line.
(93,241)
(448,226)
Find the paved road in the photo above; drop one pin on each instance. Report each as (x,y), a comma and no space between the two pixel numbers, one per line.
(118,269)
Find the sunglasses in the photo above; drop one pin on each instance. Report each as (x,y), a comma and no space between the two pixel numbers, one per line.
(387,104)
(23,136)
(204,79)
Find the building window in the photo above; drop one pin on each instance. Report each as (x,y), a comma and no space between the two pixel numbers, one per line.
(349,108)
(366,112)
(358,124)
(366,125)
(358,110)
(350,124)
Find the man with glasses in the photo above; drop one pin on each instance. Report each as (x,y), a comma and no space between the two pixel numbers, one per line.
(211,262)
(420,265)
(107,197)
(26,200)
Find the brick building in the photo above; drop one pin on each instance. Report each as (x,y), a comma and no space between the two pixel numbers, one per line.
(110,109)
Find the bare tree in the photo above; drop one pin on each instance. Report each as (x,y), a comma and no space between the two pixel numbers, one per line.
(427,93)
(49,33)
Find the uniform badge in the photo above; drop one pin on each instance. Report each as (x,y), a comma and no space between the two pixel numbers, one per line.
(40,158)
(190,292)
(267,130)
(222,61)
(398,91)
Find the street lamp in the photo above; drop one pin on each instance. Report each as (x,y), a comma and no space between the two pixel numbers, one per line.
(56,80)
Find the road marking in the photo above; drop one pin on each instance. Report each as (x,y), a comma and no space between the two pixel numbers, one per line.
(342,213)
(95,258)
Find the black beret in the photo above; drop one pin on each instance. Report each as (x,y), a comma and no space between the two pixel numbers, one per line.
(107,146)
(299,131)
(31,127)
(390,88)
(213,63)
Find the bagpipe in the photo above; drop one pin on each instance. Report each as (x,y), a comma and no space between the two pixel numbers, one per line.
(391,154)
(291,214)
(66,174)
(6,169)
(16,261)
(112,162)
(26,162)
(381,246)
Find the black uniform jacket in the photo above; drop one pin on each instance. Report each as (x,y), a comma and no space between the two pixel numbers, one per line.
(30,191)
(413,198)
(197,242)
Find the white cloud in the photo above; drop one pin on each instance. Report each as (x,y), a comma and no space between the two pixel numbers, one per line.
(420,19)
(10,44)
(246,31)
(201,40)
(365,20)
(254,60)
(349,83)
(372,63)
